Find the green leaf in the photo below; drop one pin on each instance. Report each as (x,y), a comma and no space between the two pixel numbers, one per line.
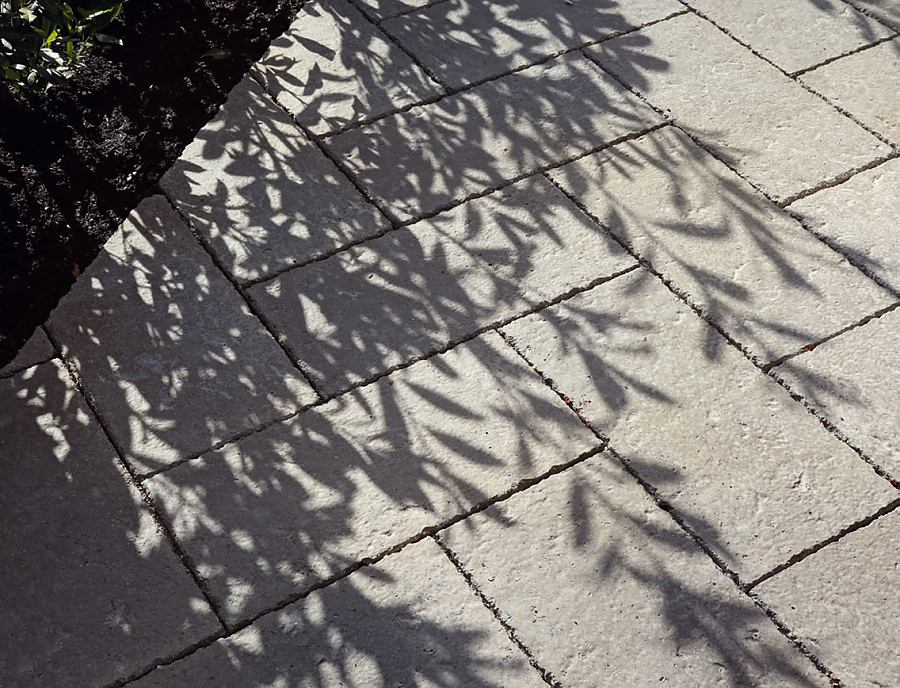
(106,38)
(217,53)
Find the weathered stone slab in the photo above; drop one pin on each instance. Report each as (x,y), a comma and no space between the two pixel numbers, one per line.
(840,602)
(751,267)
(333,67)
(261,194)
(419,161)
(90,590)
(291,505)
(867,85)
(762,123)
(751,471)
(860,217)
(794,35)
(853,380)
(167,348)
(410,620)
(384,9)
(466,41)
(604,589)
(886,10)
(36,350)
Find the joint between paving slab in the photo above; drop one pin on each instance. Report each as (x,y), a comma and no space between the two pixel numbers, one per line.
(854,51)
(865,10)
(411,10)
(841,178)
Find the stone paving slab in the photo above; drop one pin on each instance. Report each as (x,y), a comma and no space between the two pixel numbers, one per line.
(886,11)
(464,41)
(603,588)
(90,590)
(166,348)
(794,35)
(853,381)
(410,620)
(762,123)
(261,194)
(745,262)
(867,85)
(425,159)
(841,602)
(751,471)
(36,350)
(384,9)
(333,67)
(290,506)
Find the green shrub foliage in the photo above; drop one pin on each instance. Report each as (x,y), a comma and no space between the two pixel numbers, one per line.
(41,41)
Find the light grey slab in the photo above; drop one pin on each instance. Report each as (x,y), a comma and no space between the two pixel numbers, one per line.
(380,10)
(887,11)
(435,155)
(410,620)
(604,589)
(464,41)
(262,195)
(750,470)
(762,123)
(90,591)
(36,350)
(746,263)
(300,501)
(333,67)
(841,603)
(165,346)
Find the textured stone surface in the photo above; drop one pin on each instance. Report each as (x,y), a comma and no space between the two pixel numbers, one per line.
(262,195)
(867,85)
(751,471)
(853,380)
(467,40)
(90,591)
(438,154)
(383,9)
(36,350)
(334,67)
(888,11)
(794,35)
(295,503)
(751,267)
(840,602)
(166,348)
(761,122)
(604,589)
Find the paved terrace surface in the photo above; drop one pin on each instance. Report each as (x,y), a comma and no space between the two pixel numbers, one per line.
(527,343)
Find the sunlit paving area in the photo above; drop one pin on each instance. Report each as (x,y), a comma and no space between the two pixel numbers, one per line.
(485,344)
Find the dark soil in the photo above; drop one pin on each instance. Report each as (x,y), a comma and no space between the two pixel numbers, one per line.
(76,160)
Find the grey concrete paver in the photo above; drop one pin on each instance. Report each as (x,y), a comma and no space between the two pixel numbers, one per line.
(419,161)
(746,263)
(36,350)
(333,67)
(841,603)
(464,41)
(261,194)
(762,123)
(380,10)
(752,472)
(166,348)
(90,591)
(300,501)
(604,589)
(409,620)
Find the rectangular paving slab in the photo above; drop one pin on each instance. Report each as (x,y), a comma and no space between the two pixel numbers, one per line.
(90,592)
(436,155)
(746,263)
(410,620)
(261,194)
(841,602)
(166,348)
(384,9)
(749,469)
(605,590)
(762,123)
(302,500)
(36,350)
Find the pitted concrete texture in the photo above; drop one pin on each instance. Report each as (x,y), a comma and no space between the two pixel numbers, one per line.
(410,620)
(748,265)
(752,473)
(333,68)
(261,194)
(167,349)
(841,601)
(36,350)
(290,506)
(91,590)
(714,88)
(632,600)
